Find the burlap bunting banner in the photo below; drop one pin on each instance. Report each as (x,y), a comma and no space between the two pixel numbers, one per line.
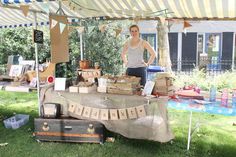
(107,114)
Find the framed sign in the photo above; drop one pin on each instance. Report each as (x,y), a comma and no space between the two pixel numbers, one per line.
(38,36)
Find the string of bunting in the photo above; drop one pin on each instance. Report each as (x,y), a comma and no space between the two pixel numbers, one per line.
(106,114)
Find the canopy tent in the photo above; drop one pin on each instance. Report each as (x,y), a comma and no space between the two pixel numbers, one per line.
(11,14)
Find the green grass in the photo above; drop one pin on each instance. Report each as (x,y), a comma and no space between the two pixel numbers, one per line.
(216,136)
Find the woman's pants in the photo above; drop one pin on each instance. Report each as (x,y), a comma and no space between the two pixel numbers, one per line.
(138,72)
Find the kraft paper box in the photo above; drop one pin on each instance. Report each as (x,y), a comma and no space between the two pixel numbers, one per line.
(102,89)
(74,89)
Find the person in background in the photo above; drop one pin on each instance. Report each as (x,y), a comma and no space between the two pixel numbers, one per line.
(132,55)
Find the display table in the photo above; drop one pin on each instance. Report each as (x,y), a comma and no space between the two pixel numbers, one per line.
(153,126)
(192,105)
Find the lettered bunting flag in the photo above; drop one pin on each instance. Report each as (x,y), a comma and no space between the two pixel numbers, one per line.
(72,107)
(95,113)
(102,28)
(104,114)
(79,110)
(25,9)
(80,29)
(162,19)
(87,112)
(113,114)
(131,113)
(122,114)
(90,29)
(118,31)
(141,111)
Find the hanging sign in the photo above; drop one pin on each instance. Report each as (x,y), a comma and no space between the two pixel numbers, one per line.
(38,36)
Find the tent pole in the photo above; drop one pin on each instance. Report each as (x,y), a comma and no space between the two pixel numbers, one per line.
(81,44)
(37,67)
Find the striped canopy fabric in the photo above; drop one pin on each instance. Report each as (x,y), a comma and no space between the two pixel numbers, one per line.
(187,9)
(11,15)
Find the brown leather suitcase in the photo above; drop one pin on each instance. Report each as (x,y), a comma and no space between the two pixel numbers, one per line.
(69,130)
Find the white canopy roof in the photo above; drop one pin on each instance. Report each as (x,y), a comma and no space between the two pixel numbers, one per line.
(11,15)
(153,8)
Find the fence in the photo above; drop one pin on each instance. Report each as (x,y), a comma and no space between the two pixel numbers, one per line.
(211,67)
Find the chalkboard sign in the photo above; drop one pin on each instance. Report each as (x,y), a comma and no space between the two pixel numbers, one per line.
(38,36)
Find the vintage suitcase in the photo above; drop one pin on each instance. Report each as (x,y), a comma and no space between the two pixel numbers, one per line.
(69,130)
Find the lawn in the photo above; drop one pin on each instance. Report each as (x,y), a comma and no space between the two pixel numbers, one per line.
(216,136)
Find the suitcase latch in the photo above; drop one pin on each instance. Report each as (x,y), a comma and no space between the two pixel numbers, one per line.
(45,126)
(91,129)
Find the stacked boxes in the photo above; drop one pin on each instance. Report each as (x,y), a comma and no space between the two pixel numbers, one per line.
(164,84)
(123,85)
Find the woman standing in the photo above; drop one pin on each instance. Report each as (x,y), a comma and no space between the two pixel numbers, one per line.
(132,55)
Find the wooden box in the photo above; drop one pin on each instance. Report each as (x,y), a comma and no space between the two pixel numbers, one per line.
(69,130)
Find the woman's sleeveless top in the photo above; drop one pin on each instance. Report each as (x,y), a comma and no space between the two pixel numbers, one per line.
(135,55)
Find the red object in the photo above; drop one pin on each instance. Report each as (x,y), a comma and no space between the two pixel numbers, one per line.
(50,79)
(189,94)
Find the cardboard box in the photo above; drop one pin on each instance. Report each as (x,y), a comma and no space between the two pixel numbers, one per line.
(102,89)
(74,89)
(87,89)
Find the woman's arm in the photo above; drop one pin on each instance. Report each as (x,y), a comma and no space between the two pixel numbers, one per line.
(124,52)
(151,52)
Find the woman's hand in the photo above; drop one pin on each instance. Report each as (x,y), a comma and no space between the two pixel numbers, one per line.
(146,64)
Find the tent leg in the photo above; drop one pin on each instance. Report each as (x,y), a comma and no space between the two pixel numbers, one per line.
(189,130)
(37,68)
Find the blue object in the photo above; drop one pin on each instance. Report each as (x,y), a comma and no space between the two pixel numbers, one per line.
(155,69)
(234,99)
(152,70)
(212,94)
(212,107)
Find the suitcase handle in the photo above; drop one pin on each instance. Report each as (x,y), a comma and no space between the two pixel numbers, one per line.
(68,127)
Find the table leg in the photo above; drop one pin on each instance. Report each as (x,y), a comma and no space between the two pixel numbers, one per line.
(189,130)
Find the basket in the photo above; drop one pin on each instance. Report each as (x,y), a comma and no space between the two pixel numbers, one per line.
(16,121)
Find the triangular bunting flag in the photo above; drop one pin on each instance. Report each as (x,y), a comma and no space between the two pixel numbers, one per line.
(187,24)
(162,19)
(102,28)
(80,29)
(136,19)
(45,7)
(90,29)
(62,27)
(53,23)
(118,31)
(25,9)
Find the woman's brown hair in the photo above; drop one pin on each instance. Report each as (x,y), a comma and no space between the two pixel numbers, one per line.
(133,26)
